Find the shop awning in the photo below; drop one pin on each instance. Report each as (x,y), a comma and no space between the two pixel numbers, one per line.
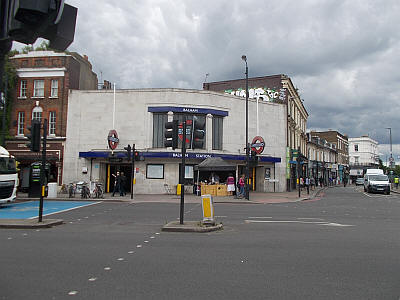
(214,164)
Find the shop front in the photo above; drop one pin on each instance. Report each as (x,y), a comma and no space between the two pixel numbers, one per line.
(26,158)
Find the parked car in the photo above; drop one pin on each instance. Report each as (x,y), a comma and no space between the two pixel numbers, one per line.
(360,181)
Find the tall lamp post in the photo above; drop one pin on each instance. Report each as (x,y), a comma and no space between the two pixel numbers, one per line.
(391,153)
(244,58)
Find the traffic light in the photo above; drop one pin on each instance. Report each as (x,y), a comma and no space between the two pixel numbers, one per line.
(137,156)
(253,159)
(198,134)
(128,152)
(171,134)
(26,20)
(34,137)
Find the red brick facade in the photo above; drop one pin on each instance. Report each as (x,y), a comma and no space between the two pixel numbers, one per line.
(69,71)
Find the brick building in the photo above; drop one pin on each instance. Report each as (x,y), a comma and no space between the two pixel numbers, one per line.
(44,79)
(277,89)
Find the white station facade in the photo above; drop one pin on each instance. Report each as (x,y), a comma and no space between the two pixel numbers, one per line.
(138,117)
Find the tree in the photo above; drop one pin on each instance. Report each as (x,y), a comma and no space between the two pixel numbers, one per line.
(381,166)
(11,75)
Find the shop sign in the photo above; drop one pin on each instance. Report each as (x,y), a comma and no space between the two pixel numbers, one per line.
(258,144)
(112,139)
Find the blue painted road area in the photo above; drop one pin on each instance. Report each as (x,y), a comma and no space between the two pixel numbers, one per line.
(30,210)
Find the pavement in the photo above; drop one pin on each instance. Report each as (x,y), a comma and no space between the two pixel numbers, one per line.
(255,198)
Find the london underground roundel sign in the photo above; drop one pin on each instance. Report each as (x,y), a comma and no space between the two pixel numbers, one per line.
(258,144)
(112,139)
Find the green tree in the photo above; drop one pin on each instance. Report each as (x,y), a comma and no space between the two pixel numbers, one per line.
(11,75)
(381,166)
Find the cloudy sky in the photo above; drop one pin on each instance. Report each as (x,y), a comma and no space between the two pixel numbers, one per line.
(343,56)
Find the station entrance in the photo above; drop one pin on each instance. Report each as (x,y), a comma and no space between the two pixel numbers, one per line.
(111,170)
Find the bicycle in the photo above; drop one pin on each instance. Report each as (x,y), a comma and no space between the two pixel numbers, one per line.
(71,190)
(64,189)
(85,192)
(98,191)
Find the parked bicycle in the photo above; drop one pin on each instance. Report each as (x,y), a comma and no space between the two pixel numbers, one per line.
(71,190)
(85,192)
(98,191)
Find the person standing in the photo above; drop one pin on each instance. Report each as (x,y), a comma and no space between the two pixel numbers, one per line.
(230,182)
(308,184)
(117,183)
(122,185)
(241,186)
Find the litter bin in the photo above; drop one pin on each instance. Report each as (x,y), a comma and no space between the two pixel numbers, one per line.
(52,190)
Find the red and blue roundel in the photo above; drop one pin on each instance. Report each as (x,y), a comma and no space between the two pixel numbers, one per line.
(113,139)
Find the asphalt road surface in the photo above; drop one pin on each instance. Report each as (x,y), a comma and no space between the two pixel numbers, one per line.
(342,246)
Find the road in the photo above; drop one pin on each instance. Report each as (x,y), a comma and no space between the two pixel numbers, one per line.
(343,246)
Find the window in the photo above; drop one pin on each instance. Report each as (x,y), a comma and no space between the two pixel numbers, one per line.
(356,148)
(154,171)
(21,123)
(54,88)
(22,89)
(37,113)
(356,159)
(217,130)
(52,123)
(38,88)
(159,121)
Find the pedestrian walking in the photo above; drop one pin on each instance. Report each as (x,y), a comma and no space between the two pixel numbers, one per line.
(117,183)
(122,185)
(396,182)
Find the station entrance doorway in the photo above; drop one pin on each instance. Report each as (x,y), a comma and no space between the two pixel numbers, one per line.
(112,169)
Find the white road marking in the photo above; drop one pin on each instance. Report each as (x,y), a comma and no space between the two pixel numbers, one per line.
(221,216)
(152,237)
(139,246)
(72,293)
(107,268)
(310,219)
(121,259)
(336,224)
(157,233)
(92,279)
(25,234)
(324,223)
(260,217)
(131,252)
(10,238)
(146,241)
(61,211)
(287,221)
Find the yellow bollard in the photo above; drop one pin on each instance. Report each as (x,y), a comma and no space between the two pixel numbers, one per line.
(178,189)
(208,209)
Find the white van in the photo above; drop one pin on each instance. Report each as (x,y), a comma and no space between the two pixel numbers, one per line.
(8,177)
(376,181)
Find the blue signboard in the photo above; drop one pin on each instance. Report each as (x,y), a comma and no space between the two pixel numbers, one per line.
(188,110)
(193,155)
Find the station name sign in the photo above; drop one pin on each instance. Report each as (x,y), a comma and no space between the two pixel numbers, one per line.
(188,110)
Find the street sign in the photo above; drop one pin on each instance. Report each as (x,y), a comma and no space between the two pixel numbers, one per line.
(258,144)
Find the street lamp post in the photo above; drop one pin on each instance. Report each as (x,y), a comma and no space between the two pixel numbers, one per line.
(244,58)
(391,153)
